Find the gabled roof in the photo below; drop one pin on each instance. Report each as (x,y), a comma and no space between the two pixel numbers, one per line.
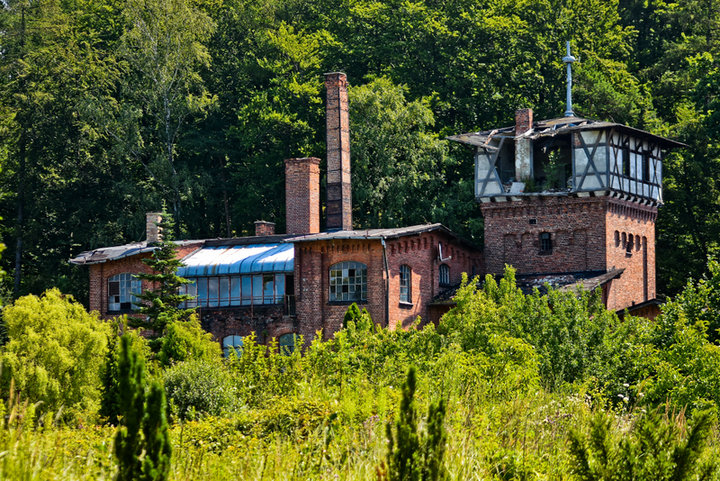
(553,127)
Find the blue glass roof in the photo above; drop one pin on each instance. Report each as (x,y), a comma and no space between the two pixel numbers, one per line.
(242,259)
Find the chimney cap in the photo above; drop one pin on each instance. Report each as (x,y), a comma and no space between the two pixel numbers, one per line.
(303,160)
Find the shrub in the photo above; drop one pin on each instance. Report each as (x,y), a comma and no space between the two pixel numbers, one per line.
(186,340)
(199,387)
(55,352)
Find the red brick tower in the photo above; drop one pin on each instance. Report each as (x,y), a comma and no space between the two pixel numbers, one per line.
(572,196)
(339,193)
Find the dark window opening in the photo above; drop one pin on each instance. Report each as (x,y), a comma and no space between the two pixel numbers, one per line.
(646,166)
(626,161)
(444,274)
(545,242)
(405,284)
(552,164)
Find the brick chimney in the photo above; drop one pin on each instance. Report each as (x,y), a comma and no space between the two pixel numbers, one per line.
(263,228)
(302,195)
(339,193)
(153,232)
(523,146)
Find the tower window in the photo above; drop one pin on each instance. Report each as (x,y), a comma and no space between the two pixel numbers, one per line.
(646,166)
(629,245)
(545,243)
(405,284)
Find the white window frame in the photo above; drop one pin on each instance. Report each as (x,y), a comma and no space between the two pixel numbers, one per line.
(128,287)
(348,282)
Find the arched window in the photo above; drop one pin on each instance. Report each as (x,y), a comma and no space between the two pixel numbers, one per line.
(405,284)
(122,291)
(348,281)
(444,274)
(232,342)
(286,343)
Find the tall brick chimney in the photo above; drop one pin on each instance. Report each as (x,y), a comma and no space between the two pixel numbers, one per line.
(523,146)
(153,232)
(302,195)
(339,193)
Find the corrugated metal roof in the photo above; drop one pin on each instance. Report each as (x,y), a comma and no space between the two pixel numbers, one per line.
(239,259)
(553,127)
(113,253)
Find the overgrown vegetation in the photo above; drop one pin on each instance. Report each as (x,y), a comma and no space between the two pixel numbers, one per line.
(541,386)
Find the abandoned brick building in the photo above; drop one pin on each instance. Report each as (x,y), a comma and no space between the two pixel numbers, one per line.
(569,202)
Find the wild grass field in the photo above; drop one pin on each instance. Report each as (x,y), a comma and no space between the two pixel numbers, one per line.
(539,387)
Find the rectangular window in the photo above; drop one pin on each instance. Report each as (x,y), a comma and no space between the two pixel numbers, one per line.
(212,291)
(235,283)
(257,292)
(268,289)
(224,291)
(202,291)
(279,288)
(191,290)
(246,290)
(646,166)
(545,243)
(405,279)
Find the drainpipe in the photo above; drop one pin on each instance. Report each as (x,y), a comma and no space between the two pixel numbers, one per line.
(387,283)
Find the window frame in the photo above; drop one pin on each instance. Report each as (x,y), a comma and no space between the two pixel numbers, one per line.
(405,284)
(347,282)
(127,282)
(545,241)
(444,275)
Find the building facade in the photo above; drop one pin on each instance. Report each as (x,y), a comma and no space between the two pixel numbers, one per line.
(570,202)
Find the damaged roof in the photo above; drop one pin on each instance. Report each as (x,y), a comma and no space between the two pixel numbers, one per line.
(527,283)
(553,127)
(113,253)
(373,234)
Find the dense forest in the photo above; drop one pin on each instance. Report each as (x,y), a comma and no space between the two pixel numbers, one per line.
(112,109)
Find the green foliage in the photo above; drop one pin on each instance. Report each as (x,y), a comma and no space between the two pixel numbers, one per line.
(412,454)
(160,305)
(187,340)
(197,387)
(656,447)
(110,403)
(131,387)
(54,354)
(142,442)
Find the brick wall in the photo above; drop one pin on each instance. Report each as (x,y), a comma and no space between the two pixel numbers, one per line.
(576,226)
(263,228)
(312,267)
(631,245)
(100,273)
(583,232)
(265,321)
(302,195)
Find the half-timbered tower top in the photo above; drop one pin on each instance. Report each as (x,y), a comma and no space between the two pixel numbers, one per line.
(567,156)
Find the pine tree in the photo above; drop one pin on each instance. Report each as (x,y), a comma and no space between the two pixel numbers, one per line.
(156,464)
(413,455)
(161,304)
(131,387)
(142,441)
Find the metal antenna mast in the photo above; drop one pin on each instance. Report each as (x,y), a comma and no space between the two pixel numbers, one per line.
(569,60)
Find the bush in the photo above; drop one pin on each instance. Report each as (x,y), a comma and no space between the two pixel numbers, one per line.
(55,353)
(198,387)
(186,340)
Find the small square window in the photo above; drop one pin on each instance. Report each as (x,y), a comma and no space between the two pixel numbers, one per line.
(545,242)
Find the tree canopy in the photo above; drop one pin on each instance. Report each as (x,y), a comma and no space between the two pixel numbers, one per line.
(108,109)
